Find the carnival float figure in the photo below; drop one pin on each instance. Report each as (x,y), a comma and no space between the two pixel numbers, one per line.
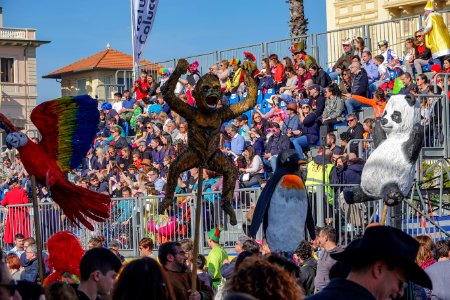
(205,121)
(68,126)
(436,33)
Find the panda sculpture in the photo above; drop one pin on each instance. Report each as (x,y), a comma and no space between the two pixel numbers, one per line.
(389,171)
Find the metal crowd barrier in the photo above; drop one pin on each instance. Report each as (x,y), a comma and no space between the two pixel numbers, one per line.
(364,147)
(134,218)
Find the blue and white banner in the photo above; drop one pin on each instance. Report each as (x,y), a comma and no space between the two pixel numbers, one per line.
(143,17)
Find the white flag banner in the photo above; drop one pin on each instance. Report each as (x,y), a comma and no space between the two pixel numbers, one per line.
(143,17)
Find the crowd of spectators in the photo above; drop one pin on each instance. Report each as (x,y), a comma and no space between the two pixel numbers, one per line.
(384,261)
(139,135)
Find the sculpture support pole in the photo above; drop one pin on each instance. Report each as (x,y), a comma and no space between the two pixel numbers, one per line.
(383,215)
(198,209)
(37,228)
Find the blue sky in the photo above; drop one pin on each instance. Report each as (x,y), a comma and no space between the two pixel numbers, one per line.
(81,28)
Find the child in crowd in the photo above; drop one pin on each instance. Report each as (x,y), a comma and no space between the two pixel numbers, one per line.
(408,55)
(137,111)
(137,160)
(388,54)
(382,70)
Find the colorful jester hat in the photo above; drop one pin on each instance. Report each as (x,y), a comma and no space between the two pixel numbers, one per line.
(235,62)
(214,234)
(163,71)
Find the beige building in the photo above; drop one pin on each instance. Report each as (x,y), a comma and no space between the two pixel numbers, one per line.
(373,20)
(99,75)
(349,13)
(18,77)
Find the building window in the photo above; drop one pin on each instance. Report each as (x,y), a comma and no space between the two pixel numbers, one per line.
(7,69)
(81,87)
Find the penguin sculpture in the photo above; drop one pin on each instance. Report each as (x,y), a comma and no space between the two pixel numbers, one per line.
(283,207)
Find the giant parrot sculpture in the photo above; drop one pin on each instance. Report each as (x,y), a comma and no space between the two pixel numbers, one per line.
(68,126)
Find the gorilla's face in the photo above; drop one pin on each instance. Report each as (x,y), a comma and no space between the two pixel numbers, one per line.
(207,92)
(16,139)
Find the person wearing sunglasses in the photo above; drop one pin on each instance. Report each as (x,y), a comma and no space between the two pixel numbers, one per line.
(422,54)
(354,126)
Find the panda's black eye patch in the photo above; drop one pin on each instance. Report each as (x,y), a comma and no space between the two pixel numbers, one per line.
(396,117)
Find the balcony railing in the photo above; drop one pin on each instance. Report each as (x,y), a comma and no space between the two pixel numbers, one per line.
(17,33)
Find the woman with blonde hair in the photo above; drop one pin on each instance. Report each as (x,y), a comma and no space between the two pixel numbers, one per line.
(425,254)
(101,161)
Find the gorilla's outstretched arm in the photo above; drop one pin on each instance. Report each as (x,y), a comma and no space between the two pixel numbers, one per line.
(249,102)
(168,92)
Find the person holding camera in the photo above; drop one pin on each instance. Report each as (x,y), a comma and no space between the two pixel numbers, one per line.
(142,86)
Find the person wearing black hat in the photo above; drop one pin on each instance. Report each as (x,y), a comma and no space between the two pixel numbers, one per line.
(381,263)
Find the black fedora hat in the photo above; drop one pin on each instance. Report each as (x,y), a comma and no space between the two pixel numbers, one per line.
(386,242)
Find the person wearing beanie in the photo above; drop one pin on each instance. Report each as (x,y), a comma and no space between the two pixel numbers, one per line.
(216,256)
(435,69)
(300,56)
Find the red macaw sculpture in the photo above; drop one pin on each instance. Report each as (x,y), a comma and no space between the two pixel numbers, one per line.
(68,126)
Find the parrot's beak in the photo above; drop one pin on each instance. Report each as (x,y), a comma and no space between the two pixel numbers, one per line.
(9,146)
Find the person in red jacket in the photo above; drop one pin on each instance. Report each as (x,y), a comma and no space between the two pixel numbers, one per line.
(141,86)
(18,219)
(277,71)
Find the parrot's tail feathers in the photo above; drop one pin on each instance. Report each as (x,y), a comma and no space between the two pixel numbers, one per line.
(81,205)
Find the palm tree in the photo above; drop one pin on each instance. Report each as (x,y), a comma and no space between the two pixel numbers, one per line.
(298,23)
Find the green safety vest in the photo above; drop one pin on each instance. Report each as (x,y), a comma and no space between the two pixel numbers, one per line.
(314,178)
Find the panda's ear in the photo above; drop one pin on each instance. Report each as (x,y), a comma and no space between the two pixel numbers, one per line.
(410,99)
(387,97)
